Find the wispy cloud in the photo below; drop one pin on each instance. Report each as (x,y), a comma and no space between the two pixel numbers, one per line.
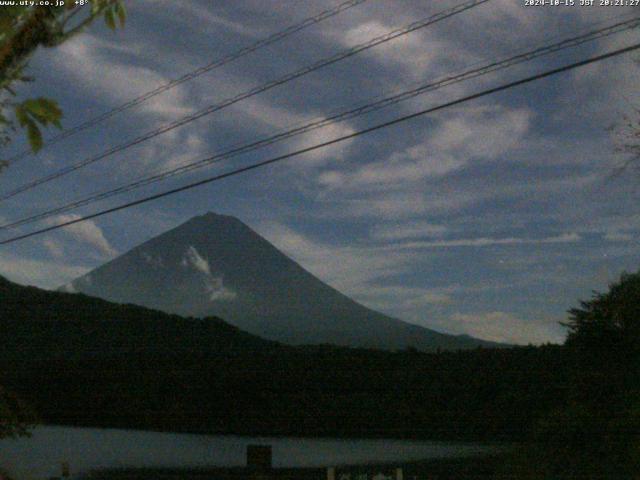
(91,62)
(54,247)
(487,242)
(468,135)
(87,233)
(505,327)
(413,54)
(42,273)
(411,303)
(406,230)
(343,267)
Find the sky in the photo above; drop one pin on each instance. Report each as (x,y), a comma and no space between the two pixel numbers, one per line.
(491,218)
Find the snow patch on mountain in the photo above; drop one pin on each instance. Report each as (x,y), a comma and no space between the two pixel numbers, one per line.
(153,261)
(194,259)
(213,286)
(217,291)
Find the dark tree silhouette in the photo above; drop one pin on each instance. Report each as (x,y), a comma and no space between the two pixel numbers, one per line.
(626,138)
(596,433)
(15,416)
(609,320)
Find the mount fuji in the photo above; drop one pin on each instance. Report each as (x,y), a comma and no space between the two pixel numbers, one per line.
(215,265)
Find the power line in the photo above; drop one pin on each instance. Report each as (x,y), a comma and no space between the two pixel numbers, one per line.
(271,39)
(341,116)
(296,153)
(255,91)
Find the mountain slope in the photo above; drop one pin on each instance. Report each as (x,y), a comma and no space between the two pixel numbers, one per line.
(215,265)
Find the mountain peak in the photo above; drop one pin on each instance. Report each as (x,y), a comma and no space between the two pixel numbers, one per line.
(210,221)
(215,217)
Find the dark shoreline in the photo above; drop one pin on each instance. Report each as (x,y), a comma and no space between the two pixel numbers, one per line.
(497,443)
(468,467)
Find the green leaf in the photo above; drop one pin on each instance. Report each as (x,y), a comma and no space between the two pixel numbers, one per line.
(110,19)
(43,110)
(6,26)
(34,111)
(122,13)
(13,13)
(96,7)
(34,135)
(21,115)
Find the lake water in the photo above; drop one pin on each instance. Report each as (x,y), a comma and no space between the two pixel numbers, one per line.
(84,449)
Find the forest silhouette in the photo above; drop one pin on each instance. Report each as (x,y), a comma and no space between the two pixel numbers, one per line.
(574,409)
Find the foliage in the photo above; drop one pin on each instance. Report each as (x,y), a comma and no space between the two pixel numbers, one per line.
(15,416)
(579,441)
(627,139)
(22,30)
(34,112)
(609,321)
(595,434)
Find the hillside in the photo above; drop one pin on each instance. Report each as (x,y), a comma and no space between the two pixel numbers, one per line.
(74,324)
(84,361)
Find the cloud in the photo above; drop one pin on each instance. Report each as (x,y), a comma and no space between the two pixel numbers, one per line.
(53,247)
(488,242)
(324,155)
(192,14)
(395,205)
(272,115)
(410,302)
(410,166)
(607,100)
(484,133)
(504,17)
(173,149)
(93,65)
(41,273)
(618,237)
(414,53)
(505,327)
(86,232)
(346,268)
(102,68)
(612,227)
(414,229)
